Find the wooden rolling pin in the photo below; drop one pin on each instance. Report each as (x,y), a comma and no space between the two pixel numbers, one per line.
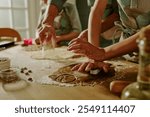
(117,86)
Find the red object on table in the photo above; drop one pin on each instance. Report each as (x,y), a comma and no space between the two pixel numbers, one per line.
(28,41)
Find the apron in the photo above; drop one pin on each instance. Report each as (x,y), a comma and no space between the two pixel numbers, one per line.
(134,14)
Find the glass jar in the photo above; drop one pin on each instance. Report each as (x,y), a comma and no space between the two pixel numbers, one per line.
(11,80)
(9,75)
(141,88)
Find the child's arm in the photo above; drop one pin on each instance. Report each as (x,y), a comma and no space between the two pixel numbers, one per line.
(95,21)
(121,48)
(96,24)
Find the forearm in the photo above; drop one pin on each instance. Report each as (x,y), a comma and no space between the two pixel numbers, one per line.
(101,27)
(51,13)
(68,36)
(53,8)
(95,21)
(121,48)
(94,29)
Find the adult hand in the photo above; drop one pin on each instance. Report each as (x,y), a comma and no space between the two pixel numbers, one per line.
(85,48)
(87,66)
(46,33)
(83,35)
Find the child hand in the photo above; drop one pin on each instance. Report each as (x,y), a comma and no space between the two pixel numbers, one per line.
(87,66)
(85,48)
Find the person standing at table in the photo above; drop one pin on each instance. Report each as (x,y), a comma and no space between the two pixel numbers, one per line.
(134,14)
(61,17)
(110,12)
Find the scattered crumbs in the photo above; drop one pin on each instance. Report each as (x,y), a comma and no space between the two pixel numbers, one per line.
(30,79)
(22,71)
(25,71)
(29,71)
(25,68)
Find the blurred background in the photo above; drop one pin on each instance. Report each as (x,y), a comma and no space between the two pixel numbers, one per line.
(23,15)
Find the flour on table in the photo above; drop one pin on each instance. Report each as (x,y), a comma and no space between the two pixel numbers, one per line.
(60,55)
(31,48)
(56,53)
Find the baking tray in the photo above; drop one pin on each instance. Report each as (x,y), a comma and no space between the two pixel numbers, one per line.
(6,43)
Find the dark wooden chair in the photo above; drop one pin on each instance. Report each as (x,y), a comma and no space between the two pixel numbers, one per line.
(9,32)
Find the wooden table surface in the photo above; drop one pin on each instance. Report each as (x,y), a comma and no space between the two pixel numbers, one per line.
(37,91)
